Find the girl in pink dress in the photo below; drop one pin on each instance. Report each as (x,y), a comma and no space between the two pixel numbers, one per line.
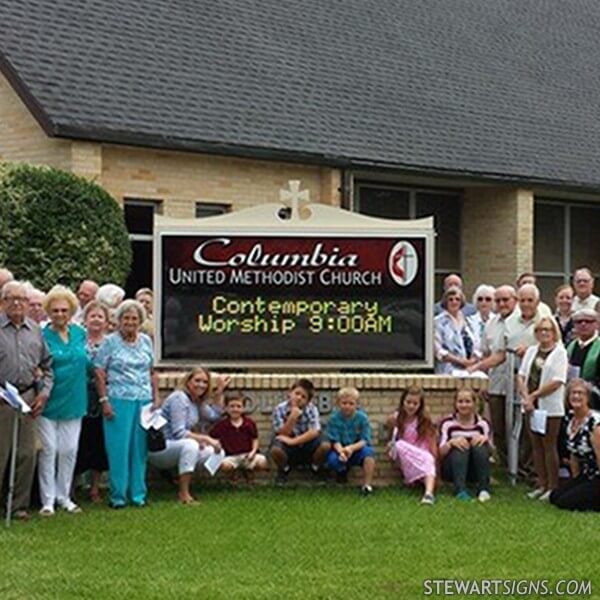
(413,447)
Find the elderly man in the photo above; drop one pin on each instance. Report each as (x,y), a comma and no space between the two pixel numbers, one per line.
(519,334)
(584,351)
(36,306)
(86,293)
(583,284)
(530,279)
(454,280)
(26,365)
(493,345)
(5,277)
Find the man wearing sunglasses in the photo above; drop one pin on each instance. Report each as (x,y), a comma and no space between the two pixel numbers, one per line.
(584,351)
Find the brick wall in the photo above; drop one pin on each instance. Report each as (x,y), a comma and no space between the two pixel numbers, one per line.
(182,179)
(22,139)
(380,394)
(497,235)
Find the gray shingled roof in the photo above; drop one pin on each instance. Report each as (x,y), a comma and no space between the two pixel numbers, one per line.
(491,87)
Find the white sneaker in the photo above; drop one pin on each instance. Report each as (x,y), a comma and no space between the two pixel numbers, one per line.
(46,511)
(545,497)
(535,494)
(428,499)
(484,496)
(71,507)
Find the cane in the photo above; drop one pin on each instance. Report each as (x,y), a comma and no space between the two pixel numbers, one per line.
(13,468)
(513,420)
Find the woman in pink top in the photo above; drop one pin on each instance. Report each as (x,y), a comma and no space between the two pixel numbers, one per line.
(413,446)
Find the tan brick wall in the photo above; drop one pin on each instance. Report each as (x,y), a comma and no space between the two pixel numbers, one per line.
(497,235)
(380,394)
(182,179)
(22,139)
(86,160)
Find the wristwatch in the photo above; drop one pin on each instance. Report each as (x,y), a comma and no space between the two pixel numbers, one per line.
(103,399)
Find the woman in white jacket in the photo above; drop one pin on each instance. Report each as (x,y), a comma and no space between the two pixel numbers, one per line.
(542,379)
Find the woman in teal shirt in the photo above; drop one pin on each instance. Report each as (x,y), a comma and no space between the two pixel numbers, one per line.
(60,423)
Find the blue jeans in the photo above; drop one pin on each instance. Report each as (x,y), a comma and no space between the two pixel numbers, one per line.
(335,464)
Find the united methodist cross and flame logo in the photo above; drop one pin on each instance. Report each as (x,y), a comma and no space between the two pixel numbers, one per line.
(403,263)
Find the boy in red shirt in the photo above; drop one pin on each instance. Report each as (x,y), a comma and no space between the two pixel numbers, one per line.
(239,438)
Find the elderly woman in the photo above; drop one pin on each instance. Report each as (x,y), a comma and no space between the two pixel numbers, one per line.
(92,453)
(145,297)
(456,344)
(60,423)
(563,300)
(126,383)
(110,294)
(542,378)
(583,443)
(183,410)
(483,300)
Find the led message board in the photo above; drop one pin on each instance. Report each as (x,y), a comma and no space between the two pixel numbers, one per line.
(264,287)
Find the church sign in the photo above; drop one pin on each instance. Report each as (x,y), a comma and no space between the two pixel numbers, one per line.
(311,286)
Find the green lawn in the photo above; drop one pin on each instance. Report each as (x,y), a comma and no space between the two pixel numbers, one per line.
(294,543)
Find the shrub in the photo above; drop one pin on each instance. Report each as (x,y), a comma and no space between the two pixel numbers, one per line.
(56,227)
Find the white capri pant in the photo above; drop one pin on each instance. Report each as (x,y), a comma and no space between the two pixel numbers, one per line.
(184,454)
(56,464)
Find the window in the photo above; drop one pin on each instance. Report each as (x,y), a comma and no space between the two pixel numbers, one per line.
(210,209)
(139,218)
(565,237)
(396,202)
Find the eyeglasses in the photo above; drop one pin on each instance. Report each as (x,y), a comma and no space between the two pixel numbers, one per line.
(544,329)
(16,299)
(486,298)
(582,280)
(586,321)
(500,300)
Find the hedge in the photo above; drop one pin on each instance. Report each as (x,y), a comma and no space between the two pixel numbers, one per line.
(56,227)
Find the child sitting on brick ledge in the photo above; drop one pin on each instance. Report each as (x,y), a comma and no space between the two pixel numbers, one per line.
(239,438)
(297,432)
(349,432)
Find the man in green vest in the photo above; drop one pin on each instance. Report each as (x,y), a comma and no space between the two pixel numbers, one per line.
(584,351)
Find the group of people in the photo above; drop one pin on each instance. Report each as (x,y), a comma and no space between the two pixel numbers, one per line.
(84,364)
(556,375)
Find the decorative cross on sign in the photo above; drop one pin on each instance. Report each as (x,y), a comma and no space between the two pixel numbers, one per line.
(294,196)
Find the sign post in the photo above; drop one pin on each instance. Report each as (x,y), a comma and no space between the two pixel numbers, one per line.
(303,286)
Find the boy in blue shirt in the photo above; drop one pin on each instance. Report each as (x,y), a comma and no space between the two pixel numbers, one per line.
(349,432)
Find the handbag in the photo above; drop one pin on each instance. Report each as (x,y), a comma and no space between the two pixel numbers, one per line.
(156,440)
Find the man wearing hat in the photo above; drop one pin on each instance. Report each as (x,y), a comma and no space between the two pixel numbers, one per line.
(584,350)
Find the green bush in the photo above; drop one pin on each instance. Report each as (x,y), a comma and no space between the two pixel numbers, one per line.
(56,227)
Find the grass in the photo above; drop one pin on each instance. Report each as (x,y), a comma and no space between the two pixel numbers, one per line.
(294,543)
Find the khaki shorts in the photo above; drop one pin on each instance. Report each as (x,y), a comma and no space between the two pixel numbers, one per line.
(240,461)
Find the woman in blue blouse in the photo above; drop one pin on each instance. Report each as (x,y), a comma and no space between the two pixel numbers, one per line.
(456,344)
(126,383)
(60,423)
(184,410)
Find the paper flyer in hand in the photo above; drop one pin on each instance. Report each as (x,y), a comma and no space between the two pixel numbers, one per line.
(151,418)
(213,463)
(10,394)
(464,374)
(538,421)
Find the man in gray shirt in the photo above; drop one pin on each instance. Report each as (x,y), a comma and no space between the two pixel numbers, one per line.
(25,363)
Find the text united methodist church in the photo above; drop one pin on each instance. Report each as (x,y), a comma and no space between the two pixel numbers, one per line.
(485,115)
